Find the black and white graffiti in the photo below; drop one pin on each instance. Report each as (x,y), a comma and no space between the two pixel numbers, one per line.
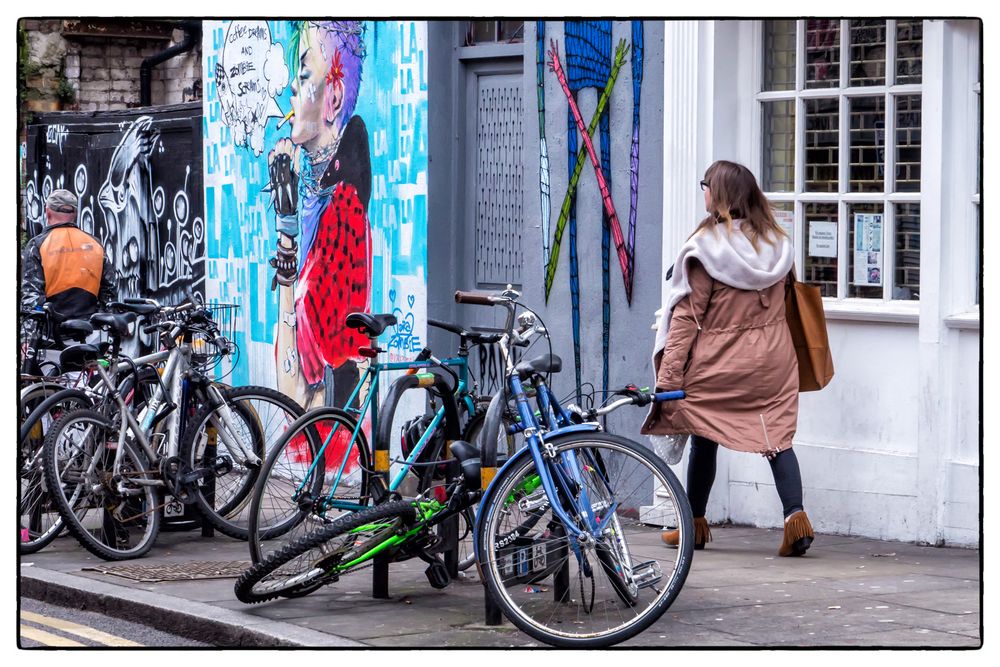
(139,192)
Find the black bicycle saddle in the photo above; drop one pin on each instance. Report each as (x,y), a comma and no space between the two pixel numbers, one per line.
(371,325)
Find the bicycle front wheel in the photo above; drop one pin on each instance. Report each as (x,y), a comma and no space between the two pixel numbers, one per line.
(327,553)
(225,448)
(617,578)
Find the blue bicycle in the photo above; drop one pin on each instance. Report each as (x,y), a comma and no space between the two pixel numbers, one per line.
(567,535)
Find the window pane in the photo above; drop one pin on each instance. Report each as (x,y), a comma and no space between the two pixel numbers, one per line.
(511,31)
(864,268)
(909,47)
(779,55)
(779,146)
(867,53)
(906,282)
(821,248)
(867,144)
(822,53)
(480,32)
(908,143)
(822,118)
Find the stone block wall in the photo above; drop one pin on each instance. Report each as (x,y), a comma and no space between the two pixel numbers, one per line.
(103,72)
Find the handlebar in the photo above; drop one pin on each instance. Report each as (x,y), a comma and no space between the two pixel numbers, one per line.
(476,298)
(633,397)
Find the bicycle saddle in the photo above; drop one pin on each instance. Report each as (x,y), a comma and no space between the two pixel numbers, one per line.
(137,308)
(371,325)
(118,325)
(546,363)
(76,329)
(75,357)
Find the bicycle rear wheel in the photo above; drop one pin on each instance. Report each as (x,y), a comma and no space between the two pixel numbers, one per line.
(115,515)
(593,592)
(318,470)
(327,553)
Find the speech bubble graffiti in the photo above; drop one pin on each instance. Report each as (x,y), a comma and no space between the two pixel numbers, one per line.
(248,76)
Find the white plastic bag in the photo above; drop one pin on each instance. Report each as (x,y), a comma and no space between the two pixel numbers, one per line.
(670,448)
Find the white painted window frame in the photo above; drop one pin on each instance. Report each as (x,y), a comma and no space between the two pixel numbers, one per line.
(885,309)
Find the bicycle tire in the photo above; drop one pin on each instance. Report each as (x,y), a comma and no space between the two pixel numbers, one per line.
(608,465)
(227,512)
(32,495)
(383,522)
(142,513)
(293,466)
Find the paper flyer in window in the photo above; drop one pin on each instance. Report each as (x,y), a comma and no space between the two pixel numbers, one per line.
(822,238)
(867,249)
(786,220)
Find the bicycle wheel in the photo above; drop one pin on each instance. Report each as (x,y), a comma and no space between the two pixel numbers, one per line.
(324,555)
(39,521)
(318,470)
(618,579)
(114,514)
(226,477)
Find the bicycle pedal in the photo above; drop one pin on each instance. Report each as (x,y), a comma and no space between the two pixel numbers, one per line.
(646,574)
(437,575)
(222,465)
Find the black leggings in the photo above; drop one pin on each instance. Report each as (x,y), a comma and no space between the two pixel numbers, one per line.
(701,475)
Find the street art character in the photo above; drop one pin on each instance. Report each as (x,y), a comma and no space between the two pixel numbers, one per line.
(320,181)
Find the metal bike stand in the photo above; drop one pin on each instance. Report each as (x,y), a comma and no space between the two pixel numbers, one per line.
(211,449)
(380,578)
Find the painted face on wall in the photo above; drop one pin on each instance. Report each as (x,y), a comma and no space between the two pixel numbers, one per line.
(313,111)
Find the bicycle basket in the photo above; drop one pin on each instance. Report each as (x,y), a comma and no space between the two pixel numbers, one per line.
(206,353)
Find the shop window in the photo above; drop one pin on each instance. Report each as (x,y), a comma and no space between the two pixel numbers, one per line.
(854,109)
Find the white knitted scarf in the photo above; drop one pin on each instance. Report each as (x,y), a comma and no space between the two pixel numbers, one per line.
(728,258)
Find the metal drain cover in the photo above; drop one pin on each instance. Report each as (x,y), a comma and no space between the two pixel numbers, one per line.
(229,569)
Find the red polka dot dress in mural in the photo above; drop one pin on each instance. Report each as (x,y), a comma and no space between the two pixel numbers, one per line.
(335,281)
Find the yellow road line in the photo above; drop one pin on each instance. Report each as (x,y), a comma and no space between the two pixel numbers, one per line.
(77,629)
(46,638)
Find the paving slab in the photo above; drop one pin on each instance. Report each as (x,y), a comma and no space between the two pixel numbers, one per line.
(847,591)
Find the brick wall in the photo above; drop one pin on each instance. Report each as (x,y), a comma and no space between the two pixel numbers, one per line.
(104,71)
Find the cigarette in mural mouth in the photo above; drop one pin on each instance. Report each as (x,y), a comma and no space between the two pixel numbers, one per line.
(285,119)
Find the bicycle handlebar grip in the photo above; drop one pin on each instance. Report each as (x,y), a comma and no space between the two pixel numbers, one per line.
(152,328)
(668,396)
(474,298)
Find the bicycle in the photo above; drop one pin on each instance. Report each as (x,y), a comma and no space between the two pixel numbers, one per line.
(323,465)
(564,502)
(192,443)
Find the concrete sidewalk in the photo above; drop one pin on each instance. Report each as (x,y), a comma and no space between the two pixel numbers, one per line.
(847,591)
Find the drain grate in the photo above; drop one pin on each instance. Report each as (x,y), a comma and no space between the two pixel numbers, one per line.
(228,569)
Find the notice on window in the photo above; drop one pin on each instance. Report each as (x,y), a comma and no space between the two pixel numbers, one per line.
(786,220)
(867,249)
(822,239)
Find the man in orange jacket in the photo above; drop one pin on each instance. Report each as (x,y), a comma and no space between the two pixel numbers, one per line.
(65,266)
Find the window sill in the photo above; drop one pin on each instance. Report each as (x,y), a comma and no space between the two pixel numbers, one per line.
(491,50)
(857,310)
(968,321)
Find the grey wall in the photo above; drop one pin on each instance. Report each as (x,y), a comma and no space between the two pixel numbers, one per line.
(631,339)
(451,244)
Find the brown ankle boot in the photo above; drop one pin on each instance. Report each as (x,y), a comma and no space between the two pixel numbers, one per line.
(798,535)
(701,534)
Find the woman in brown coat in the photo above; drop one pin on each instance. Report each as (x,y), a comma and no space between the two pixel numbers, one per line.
(722,338)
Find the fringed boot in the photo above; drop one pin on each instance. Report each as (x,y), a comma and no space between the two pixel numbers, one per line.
(798,535)
(701,534)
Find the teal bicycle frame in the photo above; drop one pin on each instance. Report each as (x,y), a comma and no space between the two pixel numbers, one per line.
(371,403)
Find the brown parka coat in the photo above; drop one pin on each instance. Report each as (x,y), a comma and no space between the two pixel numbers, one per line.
(731,352)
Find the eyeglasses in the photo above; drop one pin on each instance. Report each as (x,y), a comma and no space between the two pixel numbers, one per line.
(703,184)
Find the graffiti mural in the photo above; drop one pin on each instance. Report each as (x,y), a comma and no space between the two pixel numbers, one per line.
(139,187)
(315,193)
(591,61)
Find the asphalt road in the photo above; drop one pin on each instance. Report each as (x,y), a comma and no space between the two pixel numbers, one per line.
(47,625)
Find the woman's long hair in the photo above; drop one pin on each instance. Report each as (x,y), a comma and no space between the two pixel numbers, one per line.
(735,195)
